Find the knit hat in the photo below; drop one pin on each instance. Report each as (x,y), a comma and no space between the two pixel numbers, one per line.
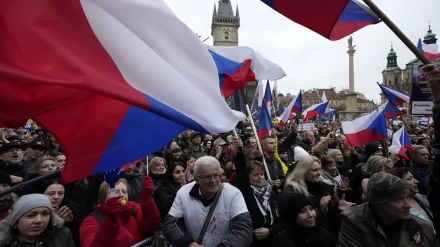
(194,134)
(173,147)
(333,152)
(371,148)
(5,178)
(281,150)
(26,203)
(374,163)
(384,187)
(292,204)
(299,152)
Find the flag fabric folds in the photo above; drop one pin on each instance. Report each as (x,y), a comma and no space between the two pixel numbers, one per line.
(366,129)
(267,99)
(400,143)
(429,50)
(90,73)
(315,110)
(258,100)
(389,110)
(238,65)
(394,96)
(276,99)
(324,99)
(265,124)
(332,19)
(294,106)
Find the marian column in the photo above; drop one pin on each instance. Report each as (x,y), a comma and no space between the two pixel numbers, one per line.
(351,111)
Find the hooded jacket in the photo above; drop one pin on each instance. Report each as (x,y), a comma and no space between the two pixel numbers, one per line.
(55,235)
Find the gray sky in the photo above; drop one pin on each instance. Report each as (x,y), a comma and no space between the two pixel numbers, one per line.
(310,60)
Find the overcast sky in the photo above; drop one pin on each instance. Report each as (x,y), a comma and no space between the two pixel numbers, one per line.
(311,61)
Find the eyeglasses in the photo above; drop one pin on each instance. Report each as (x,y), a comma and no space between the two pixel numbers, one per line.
(210,177)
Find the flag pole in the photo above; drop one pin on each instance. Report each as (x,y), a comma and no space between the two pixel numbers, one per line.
(255,133)
(397,31)
(32,182)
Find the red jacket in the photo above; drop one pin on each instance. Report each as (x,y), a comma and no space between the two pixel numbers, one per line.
(124,231)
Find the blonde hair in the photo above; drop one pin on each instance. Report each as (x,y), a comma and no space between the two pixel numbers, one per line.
(105,187)
(153,162)
(296,177)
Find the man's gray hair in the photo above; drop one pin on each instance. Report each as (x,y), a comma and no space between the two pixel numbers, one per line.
(205,161)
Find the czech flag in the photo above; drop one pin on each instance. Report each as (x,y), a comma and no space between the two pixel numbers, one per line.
(330,18)
(429,50)
(265,125)
(294,106)
(395,97)
(401,143)
(315,110)
(366,129)
(113,81)
(389,110)
(238,65)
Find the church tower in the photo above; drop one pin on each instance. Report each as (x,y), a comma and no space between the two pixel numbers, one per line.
(225,24)
(392,74)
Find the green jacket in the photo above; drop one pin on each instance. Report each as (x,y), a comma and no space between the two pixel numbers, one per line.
(360,229)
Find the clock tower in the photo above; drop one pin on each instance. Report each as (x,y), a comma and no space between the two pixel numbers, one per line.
(225,24)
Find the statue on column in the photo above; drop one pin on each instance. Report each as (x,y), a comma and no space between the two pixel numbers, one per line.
(350,43)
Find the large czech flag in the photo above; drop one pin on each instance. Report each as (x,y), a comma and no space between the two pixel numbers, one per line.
(113,80)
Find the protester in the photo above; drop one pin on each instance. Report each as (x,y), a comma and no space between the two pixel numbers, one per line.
(306,179)
(301,228)
(374,165)
(260,199)
(156,169)
(135,179)
(419,203)
(175,178)
(44,165)
(11,161)
(385,220)
(119,222)
(33,223)
(231,222)
(274,166)
(420,167)
(196,148)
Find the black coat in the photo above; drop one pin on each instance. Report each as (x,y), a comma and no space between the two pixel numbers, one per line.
(317,237)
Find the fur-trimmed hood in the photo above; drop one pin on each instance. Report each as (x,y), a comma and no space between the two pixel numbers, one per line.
(56,222)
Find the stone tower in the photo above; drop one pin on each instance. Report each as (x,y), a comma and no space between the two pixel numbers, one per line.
(392,74)
(225,24)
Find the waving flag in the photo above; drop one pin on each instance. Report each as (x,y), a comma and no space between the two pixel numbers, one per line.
(429,50)
(265,123)
(366,129)
(389,110)
(90,73)
(315,110)
(394,96)
(324,99)
(258,101)
(294,106)
(400,143)
(238,65)
(332,19)
(267,100)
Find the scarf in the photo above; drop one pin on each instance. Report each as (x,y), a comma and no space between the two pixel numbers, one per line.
(262,196)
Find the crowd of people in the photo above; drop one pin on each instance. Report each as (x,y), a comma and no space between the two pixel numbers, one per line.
(306,188)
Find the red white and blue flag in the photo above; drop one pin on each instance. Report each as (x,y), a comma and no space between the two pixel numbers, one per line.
(265,124)
(400,143)
(366,129)
(389,110)
(429,50)
(315,110)
(330,18)
(394,96)
(238,65)
(110,81)
(295,106)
